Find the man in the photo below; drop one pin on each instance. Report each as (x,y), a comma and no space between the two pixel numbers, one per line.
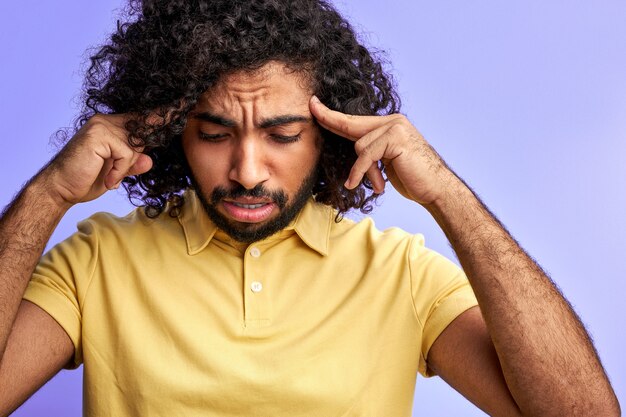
(242,296)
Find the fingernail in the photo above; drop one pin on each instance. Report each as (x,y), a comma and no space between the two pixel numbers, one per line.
(315,99)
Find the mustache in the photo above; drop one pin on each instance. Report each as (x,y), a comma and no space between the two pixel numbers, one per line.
(277,196)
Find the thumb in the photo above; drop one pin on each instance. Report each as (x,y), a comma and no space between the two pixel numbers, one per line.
(142,165)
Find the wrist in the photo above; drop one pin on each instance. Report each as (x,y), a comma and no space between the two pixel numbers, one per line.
(460,213)
(454,195)
(42,187)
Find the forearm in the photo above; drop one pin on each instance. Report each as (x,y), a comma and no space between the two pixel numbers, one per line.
(548,361)
(25,227)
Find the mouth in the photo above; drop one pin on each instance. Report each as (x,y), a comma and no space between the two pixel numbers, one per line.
(248,210)
(248,206)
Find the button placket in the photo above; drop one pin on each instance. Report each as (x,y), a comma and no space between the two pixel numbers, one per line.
(255,297)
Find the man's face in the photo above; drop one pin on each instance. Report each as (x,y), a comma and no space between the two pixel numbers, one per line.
(253,148)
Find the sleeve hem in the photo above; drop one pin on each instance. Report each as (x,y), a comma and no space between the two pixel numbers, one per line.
(441,318)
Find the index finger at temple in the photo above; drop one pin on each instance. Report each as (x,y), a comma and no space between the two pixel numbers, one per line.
(347,125)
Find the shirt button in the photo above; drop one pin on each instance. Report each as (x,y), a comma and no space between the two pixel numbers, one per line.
(256,286)
(255,252)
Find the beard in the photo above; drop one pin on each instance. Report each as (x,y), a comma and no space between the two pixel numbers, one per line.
(253,232)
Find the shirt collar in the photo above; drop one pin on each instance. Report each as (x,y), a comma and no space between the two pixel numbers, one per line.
(312,225)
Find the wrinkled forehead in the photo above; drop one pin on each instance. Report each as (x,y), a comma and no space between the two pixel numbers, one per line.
(272,87)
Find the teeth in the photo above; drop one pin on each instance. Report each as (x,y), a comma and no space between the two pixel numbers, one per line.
(249,206)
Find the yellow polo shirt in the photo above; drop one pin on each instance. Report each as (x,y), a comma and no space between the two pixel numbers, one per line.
(172,318)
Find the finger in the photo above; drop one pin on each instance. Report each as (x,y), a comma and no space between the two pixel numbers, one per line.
(370,149)
(376,178)
(123,157)
(347,125)
(124,167)
(130,159)
(367,163)
(142,165)
(116,174)
(361,167)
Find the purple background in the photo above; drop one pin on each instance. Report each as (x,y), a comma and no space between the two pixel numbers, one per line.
(525,100)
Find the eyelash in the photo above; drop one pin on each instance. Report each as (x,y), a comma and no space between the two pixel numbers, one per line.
(282,139)
(211,137)
(286,139)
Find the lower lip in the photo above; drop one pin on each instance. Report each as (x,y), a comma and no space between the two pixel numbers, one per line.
(247,215)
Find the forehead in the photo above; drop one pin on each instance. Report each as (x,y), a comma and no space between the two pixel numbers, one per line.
(273,87)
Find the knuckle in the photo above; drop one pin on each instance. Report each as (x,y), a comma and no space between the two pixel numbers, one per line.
(128,154)
(97,125)
(97,118)
(103,124)
(360,146)
(398,129)
(101,120)
(367,154)
(399,117)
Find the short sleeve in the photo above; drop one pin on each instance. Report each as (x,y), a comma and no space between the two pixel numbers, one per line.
(60,281)
(441,292)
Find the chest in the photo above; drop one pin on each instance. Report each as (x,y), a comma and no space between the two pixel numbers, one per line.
(256,334)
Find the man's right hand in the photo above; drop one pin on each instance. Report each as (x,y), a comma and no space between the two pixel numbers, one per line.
(33,345)
(95,160)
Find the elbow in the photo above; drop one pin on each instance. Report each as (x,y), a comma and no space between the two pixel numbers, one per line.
(614,409)
(607,405)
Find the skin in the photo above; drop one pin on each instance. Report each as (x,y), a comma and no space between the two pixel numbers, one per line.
(34,346)
(523,352)
(253,129)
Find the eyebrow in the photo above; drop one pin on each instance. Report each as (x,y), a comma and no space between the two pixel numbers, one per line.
(283,120)
(265,123)
(212,118)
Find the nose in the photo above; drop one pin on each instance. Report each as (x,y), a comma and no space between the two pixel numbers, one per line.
(248,163)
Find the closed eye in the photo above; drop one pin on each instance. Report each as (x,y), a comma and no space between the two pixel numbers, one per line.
(212,137)
(285,139)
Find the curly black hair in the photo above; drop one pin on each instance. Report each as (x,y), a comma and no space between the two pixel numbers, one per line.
(167,53)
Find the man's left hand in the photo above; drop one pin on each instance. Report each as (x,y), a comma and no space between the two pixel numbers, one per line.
(411,164)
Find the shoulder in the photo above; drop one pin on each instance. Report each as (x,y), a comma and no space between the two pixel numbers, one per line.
(391,242)
(113,230)
(366,229)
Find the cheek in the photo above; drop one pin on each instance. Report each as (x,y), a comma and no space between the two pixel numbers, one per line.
(300,167)
(296,159)
(207,167)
